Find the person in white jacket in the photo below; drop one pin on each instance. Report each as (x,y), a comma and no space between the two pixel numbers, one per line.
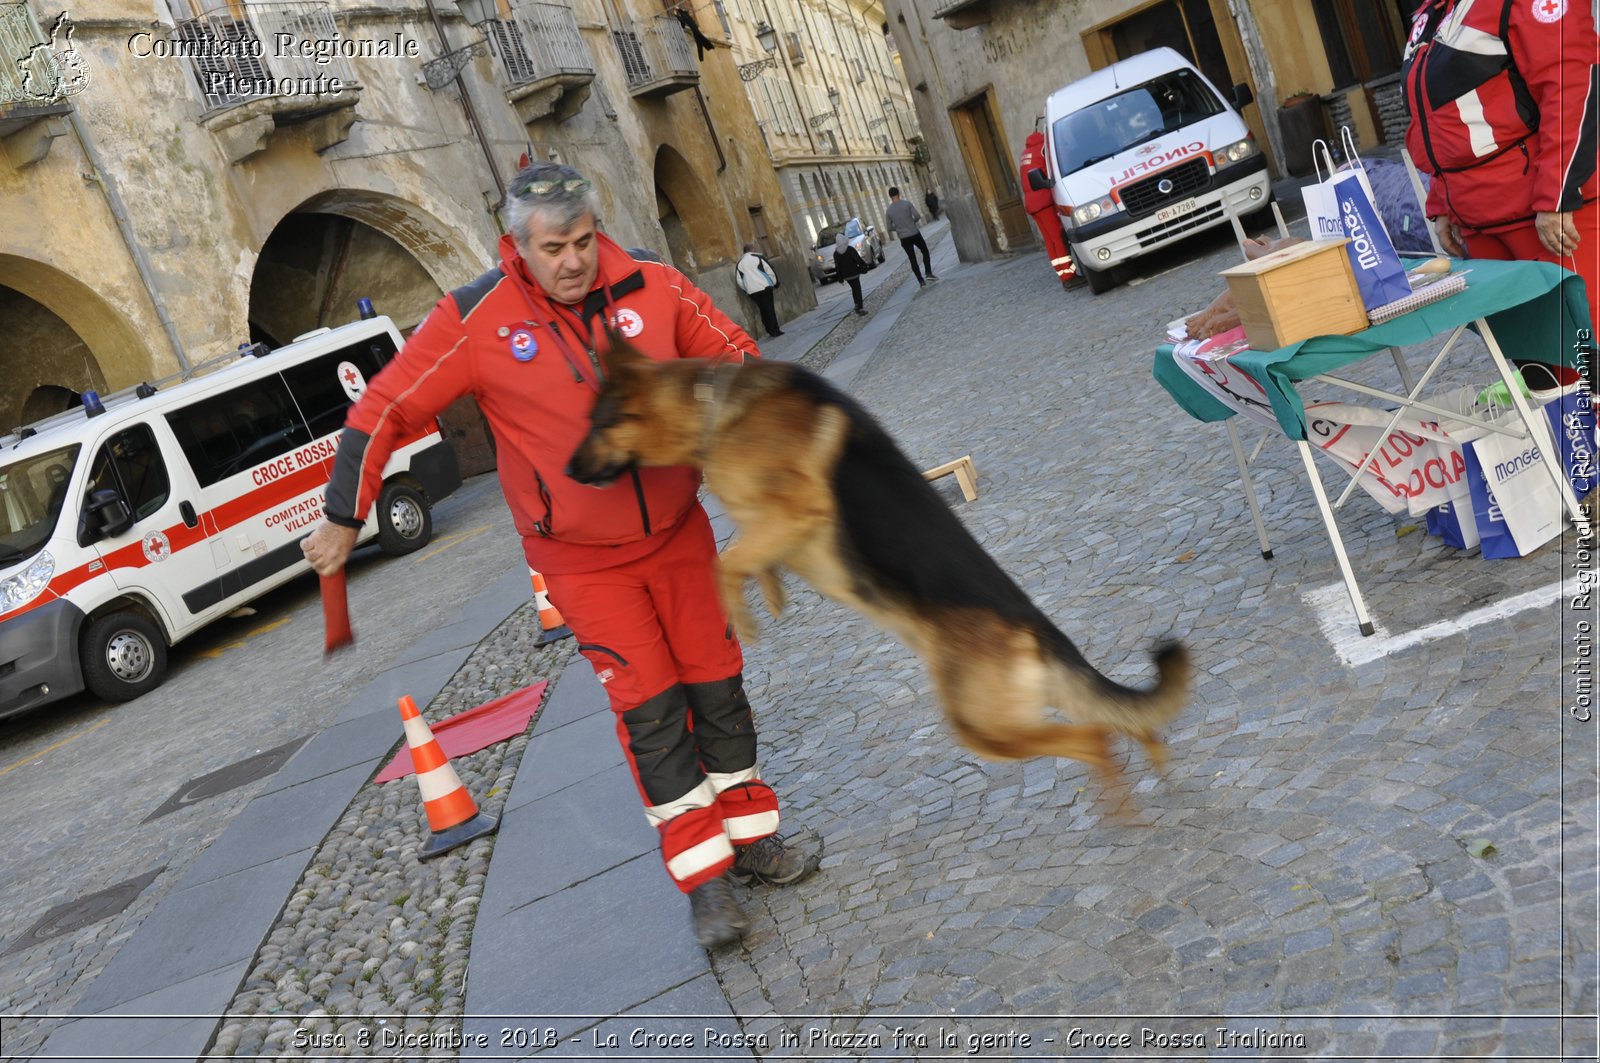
(757,279)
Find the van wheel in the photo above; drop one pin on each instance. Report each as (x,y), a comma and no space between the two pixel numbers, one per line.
(1100,280)
(404,522)
(124,655)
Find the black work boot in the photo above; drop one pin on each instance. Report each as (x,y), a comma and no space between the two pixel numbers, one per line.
(777,860)
(718,919)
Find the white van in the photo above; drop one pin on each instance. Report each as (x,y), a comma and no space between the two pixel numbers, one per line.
(1143,153)
(130,523)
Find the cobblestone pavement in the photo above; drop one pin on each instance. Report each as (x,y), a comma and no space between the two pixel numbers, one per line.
(1307,853)
(1302,881)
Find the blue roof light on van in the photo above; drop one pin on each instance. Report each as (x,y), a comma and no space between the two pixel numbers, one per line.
(92,406)
(364,308)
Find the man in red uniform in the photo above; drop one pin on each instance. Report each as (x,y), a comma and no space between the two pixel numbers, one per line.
(1504,98)
(630,566)
(1042,205)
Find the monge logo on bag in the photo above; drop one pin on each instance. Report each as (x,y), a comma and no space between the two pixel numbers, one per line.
(1361,245)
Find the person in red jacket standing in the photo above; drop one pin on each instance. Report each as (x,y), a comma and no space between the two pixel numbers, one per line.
(1042,205)
(630,566)
(1504,98)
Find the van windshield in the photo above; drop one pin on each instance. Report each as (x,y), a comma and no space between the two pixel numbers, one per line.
(32,492)
(1116,123)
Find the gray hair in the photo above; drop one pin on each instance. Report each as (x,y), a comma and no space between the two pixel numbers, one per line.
(562,207)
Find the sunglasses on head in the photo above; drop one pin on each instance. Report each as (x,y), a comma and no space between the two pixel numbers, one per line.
(550,187)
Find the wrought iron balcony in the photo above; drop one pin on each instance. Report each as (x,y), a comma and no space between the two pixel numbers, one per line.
(657,57)
(545,59)
(37,76)
(260,66)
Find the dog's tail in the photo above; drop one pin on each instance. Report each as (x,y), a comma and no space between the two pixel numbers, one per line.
(1086,696)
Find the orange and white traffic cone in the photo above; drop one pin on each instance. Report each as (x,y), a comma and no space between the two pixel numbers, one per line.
(554,627)
(453,815)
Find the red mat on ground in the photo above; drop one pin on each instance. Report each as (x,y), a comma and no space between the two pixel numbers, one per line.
(467,732)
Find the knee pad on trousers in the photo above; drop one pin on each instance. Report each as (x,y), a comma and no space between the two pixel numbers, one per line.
(724,727)
(661,748)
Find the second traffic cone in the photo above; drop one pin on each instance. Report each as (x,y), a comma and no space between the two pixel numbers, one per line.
(554,627)
(453,815)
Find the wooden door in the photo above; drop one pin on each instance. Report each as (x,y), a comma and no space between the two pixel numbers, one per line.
(992,170)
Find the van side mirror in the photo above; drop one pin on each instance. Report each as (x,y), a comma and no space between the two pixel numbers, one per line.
(1038,180)
(105,516)
(1242,96)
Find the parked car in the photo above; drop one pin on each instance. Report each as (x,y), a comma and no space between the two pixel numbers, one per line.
(865,239)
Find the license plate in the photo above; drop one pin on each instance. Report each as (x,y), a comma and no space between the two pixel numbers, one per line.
(1177,210)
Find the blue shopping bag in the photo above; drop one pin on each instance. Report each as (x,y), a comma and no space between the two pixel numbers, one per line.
(1454,523)
(1572,420)
(1379,272)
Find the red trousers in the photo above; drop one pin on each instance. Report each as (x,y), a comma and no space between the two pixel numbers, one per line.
(655,633)
(1055,243)
(1523,243)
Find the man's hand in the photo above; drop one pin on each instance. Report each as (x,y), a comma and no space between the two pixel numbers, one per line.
(1556,232)
(1449,237)
(328,547)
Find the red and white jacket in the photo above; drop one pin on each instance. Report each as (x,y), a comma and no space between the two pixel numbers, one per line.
(1504,98)
(1034,200)
(533,367)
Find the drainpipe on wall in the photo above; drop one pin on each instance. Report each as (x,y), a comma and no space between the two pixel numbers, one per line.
(722,159)
(108,188)
(1260,63)
(472,115)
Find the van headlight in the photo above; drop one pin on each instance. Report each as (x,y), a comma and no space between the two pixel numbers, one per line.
(1238,151)
(1091,211)
(28,584)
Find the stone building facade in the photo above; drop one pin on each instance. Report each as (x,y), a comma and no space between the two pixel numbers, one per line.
(981,70)
(180,176)
(833,107)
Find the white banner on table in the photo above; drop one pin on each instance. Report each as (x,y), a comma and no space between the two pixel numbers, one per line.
(1206,363)
(1416,467)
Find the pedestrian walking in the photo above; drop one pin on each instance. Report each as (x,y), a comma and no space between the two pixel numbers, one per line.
(1041,206)
(848,265)
(757,279)
(630,566)
(904,221)
(932,200)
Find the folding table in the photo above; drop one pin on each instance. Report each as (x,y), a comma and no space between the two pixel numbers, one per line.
(1540,304)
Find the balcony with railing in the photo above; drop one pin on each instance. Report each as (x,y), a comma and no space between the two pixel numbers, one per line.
(545,59)
(36,77)
(657,57)
(265,66)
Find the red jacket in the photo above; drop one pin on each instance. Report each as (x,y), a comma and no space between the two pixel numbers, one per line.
(1503,101)
(532,367)
(1033,199)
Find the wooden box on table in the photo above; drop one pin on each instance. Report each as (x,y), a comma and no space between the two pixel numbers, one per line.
(1297,292)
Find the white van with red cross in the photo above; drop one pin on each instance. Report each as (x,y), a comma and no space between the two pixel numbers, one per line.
(1143,153)
(129,523)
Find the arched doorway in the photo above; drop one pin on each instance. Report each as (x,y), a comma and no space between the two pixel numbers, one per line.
(698,236)
(345,245)
(62,338)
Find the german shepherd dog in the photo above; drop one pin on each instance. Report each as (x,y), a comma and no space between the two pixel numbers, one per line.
(816,486)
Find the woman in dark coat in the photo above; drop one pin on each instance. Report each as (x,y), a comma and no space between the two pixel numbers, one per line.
(849,266)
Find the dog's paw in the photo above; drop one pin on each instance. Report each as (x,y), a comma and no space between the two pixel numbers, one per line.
(772,592)
(1156,750)
(744,623)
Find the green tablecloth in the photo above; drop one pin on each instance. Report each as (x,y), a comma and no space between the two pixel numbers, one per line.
(1534,308)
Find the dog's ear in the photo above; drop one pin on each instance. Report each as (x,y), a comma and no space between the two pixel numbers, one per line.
(619,353)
